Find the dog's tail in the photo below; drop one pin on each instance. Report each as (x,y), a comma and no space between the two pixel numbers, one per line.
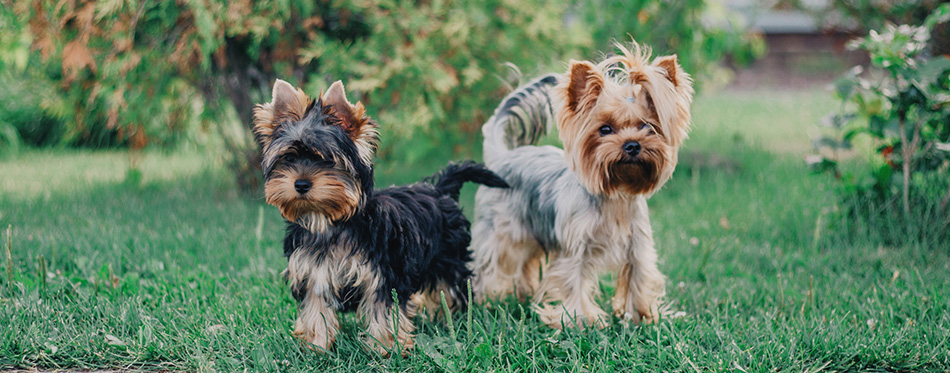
(450,179)
(521,119)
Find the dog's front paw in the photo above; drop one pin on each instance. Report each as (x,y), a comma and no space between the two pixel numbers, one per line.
(650,316)
(557,316)
(636,318)
(629,312)
(624,310)
(310,340)
(385,347)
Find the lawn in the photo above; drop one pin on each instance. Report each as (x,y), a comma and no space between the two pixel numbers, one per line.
(179,272)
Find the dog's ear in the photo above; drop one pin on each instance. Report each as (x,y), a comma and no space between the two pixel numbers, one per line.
(584,87)
(672,105)
(288,101)
(335,97)
(353,119)
(288,104)
(674,72)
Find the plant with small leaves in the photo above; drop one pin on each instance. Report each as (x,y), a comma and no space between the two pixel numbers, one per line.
(903,105)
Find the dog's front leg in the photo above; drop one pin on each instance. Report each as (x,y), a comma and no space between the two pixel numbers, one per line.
(567,293)
(383,326)
(640,285)
(317,322)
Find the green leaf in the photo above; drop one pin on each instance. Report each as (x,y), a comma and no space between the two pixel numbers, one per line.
(820,164)
(852,132)
(433,347)
(844,87)
(847,83)
(939,15)
(9,140)
(892,128)
(930,70)
(106,8)
(830,143)
(882,176)
(870,104)
(484,350)
(876,125)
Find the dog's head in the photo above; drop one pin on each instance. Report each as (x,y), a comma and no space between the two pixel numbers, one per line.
(317,154)
(622,121)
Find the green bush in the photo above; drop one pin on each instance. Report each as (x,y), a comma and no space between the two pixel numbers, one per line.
(701,37)
(426,70)
(430,72)
(866,15)
(34,111)
(23,112)
(903,105)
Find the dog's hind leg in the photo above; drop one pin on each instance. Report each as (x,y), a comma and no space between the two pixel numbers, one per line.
(506,260)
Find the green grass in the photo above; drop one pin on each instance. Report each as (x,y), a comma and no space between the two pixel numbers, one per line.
(181,273)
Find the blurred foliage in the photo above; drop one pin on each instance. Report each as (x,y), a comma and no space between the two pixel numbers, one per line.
(23,119)
(866,15)
(701,33)
(431,73)
(903,104)
(150,73)
(875,14)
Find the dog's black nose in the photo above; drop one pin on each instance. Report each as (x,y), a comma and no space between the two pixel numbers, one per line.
(302,185)
(632,148)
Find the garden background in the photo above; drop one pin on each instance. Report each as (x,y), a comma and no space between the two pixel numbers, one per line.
(806,227)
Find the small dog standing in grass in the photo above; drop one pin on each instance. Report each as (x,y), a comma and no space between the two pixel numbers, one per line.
(349,247)
(621,123)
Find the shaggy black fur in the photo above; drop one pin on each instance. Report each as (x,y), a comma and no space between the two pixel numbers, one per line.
(413,236)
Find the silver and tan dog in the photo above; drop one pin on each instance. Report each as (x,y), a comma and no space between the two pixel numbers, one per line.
(573,213)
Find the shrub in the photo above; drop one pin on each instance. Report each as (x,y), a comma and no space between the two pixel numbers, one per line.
(23,118)
(865,15)
(145,68)
(903,105)
(431,72)
(701,37)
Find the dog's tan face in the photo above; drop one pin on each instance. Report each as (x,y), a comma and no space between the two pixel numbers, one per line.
(299,189)
(621,122)
(317,155)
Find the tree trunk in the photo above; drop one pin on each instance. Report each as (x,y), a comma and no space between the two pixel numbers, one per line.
(245,81)
(238,78)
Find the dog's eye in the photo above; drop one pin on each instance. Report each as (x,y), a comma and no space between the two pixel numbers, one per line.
(290,158)
(606,130)
(648,126)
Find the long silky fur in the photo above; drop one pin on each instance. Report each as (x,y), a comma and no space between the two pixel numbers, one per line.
(521,119)
(414,236)
(556,218)
(351,246)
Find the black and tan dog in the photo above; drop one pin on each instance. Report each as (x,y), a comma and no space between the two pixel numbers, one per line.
(349,247)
